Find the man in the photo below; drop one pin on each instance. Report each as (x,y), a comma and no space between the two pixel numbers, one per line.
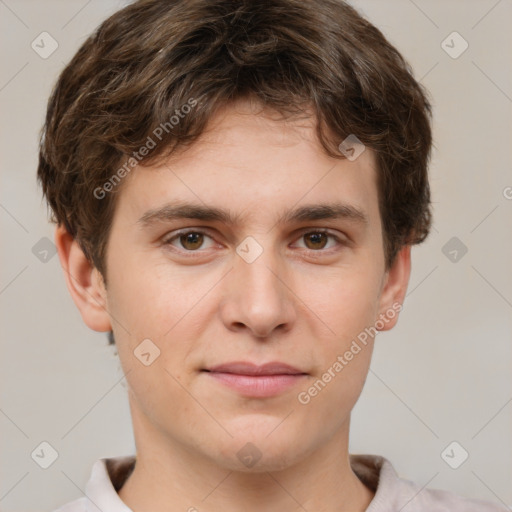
(237,186)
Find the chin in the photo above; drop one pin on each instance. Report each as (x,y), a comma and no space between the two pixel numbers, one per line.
(257,450)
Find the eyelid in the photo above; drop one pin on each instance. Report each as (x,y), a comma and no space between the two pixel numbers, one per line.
(343,241)
(167,239)
(327,231)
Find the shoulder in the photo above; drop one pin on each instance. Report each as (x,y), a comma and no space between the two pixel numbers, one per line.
(437,500)
(107,477)
(395,493)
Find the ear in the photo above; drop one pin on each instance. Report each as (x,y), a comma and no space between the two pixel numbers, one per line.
(394,287)
(84,282)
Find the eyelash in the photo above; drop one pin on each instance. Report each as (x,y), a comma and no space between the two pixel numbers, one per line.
(168,241)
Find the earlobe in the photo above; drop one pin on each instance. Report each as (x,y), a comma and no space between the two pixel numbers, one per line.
(394,289)
(84,282)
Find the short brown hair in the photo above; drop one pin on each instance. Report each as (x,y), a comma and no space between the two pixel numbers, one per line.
(148,60)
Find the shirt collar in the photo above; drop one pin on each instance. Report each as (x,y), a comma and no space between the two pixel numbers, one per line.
(109,474)
(107,477)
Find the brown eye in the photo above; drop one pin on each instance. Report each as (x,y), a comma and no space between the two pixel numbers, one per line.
(191,240)
(316,240)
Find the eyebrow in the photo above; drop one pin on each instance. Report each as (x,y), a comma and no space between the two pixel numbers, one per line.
(174,211)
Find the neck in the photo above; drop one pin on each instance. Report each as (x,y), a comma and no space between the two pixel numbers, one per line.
(171,477)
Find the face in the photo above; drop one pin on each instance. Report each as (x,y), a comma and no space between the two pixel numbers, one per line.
(250,247)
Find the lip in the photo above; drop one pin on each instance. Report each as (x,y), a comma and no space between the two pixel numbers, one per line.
(257,381)
(248,368)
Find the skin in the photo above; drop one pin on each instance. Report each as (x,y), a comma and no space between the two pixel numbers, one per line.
(298,303)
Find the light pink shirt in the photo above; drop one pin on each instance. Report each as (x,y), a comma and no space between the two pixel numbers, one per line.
(392,494)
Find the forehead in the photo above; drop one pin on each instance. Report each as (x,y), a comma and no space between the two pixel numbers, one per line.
(252,164)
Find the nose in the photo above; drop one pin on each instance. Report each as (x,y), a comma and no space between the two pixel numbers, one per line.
(258,296)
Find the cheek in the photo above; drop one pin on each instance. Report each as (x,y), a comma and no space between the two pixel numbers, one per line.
(167,306)
(347,304)
(159,393)
(338,394)
(150,298)
(336,385)
(344,299)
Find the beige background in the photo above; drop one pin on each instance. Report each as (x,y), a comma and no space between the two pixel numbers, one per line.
(442,375)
